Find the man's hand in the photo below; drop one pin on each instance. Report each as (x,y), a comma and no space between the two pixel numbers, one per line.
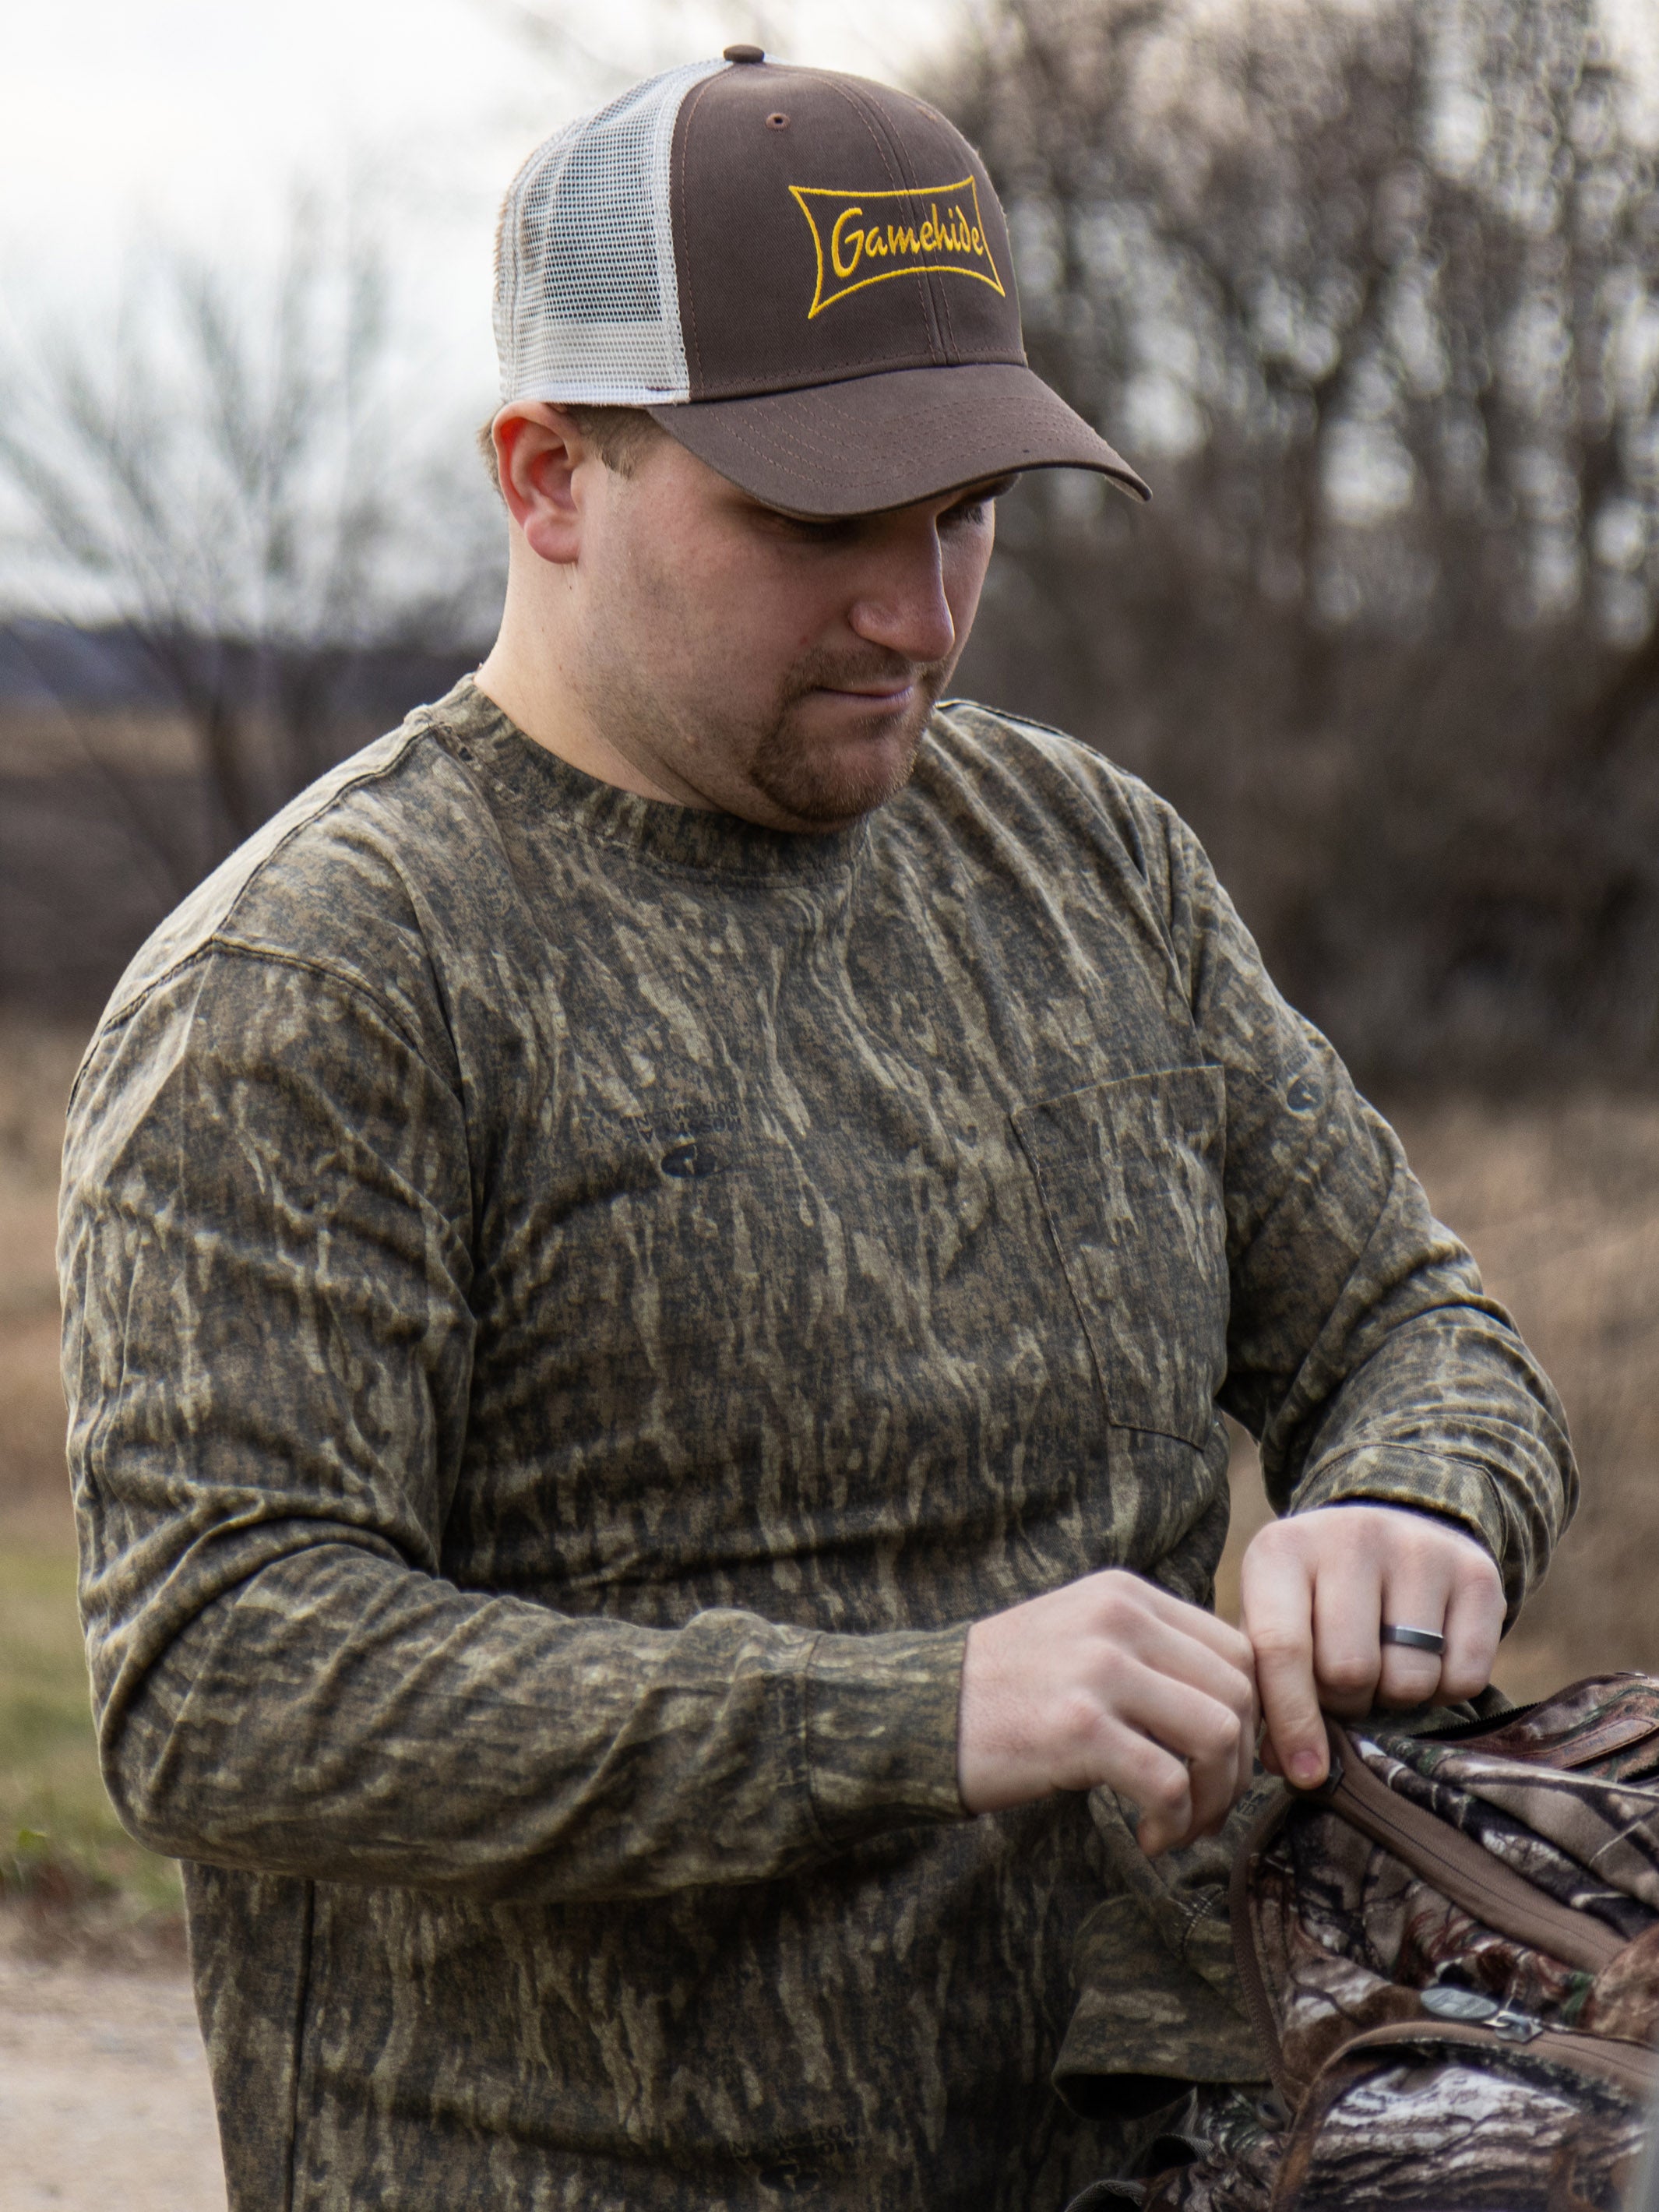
(1318,1586)
(1109,1680)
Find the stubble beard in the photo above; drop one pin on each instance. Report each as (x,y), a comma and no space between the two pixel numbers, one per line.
(824,783)
(812,782)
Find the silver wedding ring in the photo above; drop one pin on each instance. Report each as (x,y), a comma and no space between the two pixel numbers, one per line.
(1412,1639)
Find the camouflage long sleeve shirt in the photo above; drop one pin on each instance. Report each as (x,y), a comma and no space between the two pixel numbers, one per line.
(572,1304)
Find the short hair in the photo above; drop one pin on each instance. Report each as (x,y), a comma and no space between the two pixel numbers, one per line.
(617,434)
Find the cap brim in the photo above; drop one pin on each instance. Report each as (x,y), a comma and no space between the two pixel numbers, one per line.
(875,442)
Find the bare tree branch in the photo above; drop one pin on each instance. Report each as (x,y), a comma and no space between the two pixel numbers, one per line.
(1371,295)
(217,464)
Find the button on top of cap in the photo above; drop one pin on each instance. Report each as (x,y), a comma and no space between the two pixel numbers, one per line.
(743,54)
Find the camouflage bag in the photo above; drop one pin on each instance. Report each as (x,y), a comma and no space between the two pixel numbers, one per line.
(1450,1955)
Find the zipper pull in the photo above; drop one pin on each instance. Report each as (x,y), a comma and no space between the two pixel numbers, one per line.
(1445,2001)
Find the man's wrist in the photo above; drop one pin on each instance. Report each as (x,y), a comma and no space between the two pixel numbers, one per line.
(1458,1491)
(880,1728)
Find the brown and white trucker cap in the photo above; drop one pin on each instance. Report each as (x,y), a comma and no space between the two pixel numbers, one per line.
(804,277)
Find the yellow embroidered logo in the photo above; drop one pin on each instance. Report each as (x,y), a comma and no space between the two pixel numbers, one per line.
(864,237)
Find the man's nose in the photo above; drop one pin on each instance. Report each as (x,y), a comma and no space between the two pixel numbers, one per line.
(902,605)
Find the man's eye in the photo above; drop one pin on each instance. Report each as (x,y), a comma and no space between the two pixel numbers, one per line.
(968,512)
(804,532)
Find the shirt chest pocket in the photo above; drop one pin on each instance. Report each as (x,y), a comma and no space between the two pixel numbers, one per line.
(1131,1178)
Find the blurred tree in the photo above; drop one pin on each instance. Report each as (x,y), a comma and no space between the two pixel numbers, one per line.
(244,479)
(1370,294)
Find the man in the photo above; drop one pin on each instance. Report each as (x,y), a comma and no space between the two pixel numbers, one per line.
(649,1201)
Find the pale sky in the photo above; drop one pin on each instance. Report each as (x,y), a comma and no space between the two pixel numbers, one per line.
(191,119)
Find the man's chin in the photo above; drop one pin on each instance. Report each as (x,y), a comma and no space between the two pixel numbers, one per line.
(832,801)
(824,786)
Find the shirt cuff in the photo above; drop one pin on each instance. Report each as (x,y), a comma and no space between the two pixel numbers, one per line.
(881,1731)
(1454,1489)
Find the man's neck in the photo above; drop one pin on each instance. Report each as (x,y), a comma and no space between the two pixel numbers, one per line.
(528,678)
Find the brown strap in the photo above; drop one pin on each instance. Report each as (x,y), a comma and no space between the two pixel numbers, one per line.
(1459,1867)
(1628,2066)
(1252,1977)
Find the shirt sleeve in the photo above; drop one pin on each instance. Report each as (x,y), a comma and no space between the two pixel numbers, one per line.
(1362,1352)
(265,1255)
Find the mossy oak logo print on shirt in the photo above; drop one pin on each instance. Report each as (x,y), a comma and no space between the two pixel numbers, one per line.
(862,238)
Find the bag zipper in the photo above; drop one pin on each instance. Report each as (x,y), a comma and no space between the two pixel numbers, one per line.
(1629,2067)
(1459,1867)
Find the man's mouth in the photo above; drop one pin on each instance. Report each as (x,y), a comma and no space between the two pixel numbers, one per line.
(891,694)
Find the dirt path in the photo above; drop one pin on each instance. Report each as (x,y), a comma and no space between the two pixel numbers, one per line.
(104,2098)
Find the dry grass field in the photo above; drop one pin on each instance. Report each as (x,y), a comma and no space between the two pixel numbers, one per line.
(58,1834)
(37,1065)
(103,2096)
(1558,1198)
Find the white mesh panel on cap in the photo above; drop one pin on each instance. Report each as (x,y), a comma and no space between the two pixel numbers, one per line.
(587,303)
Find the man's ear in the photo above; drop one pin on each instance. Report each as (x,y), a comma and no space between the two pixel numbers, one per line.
(539,451)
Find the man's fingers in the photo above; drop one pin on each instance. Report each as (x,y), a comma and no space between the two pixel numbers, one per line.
(1205,1732)
(1317,1592)
(1229,1759)
(1473,1625)
(1055,1691)
(1413,1600)
(1227,1641)
(1192,1693)
(1160,1785)
(1278,1607)
(1246,1773)
(1347,1610)
(1453,1590)
(1202,1734)
(1169,1651)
